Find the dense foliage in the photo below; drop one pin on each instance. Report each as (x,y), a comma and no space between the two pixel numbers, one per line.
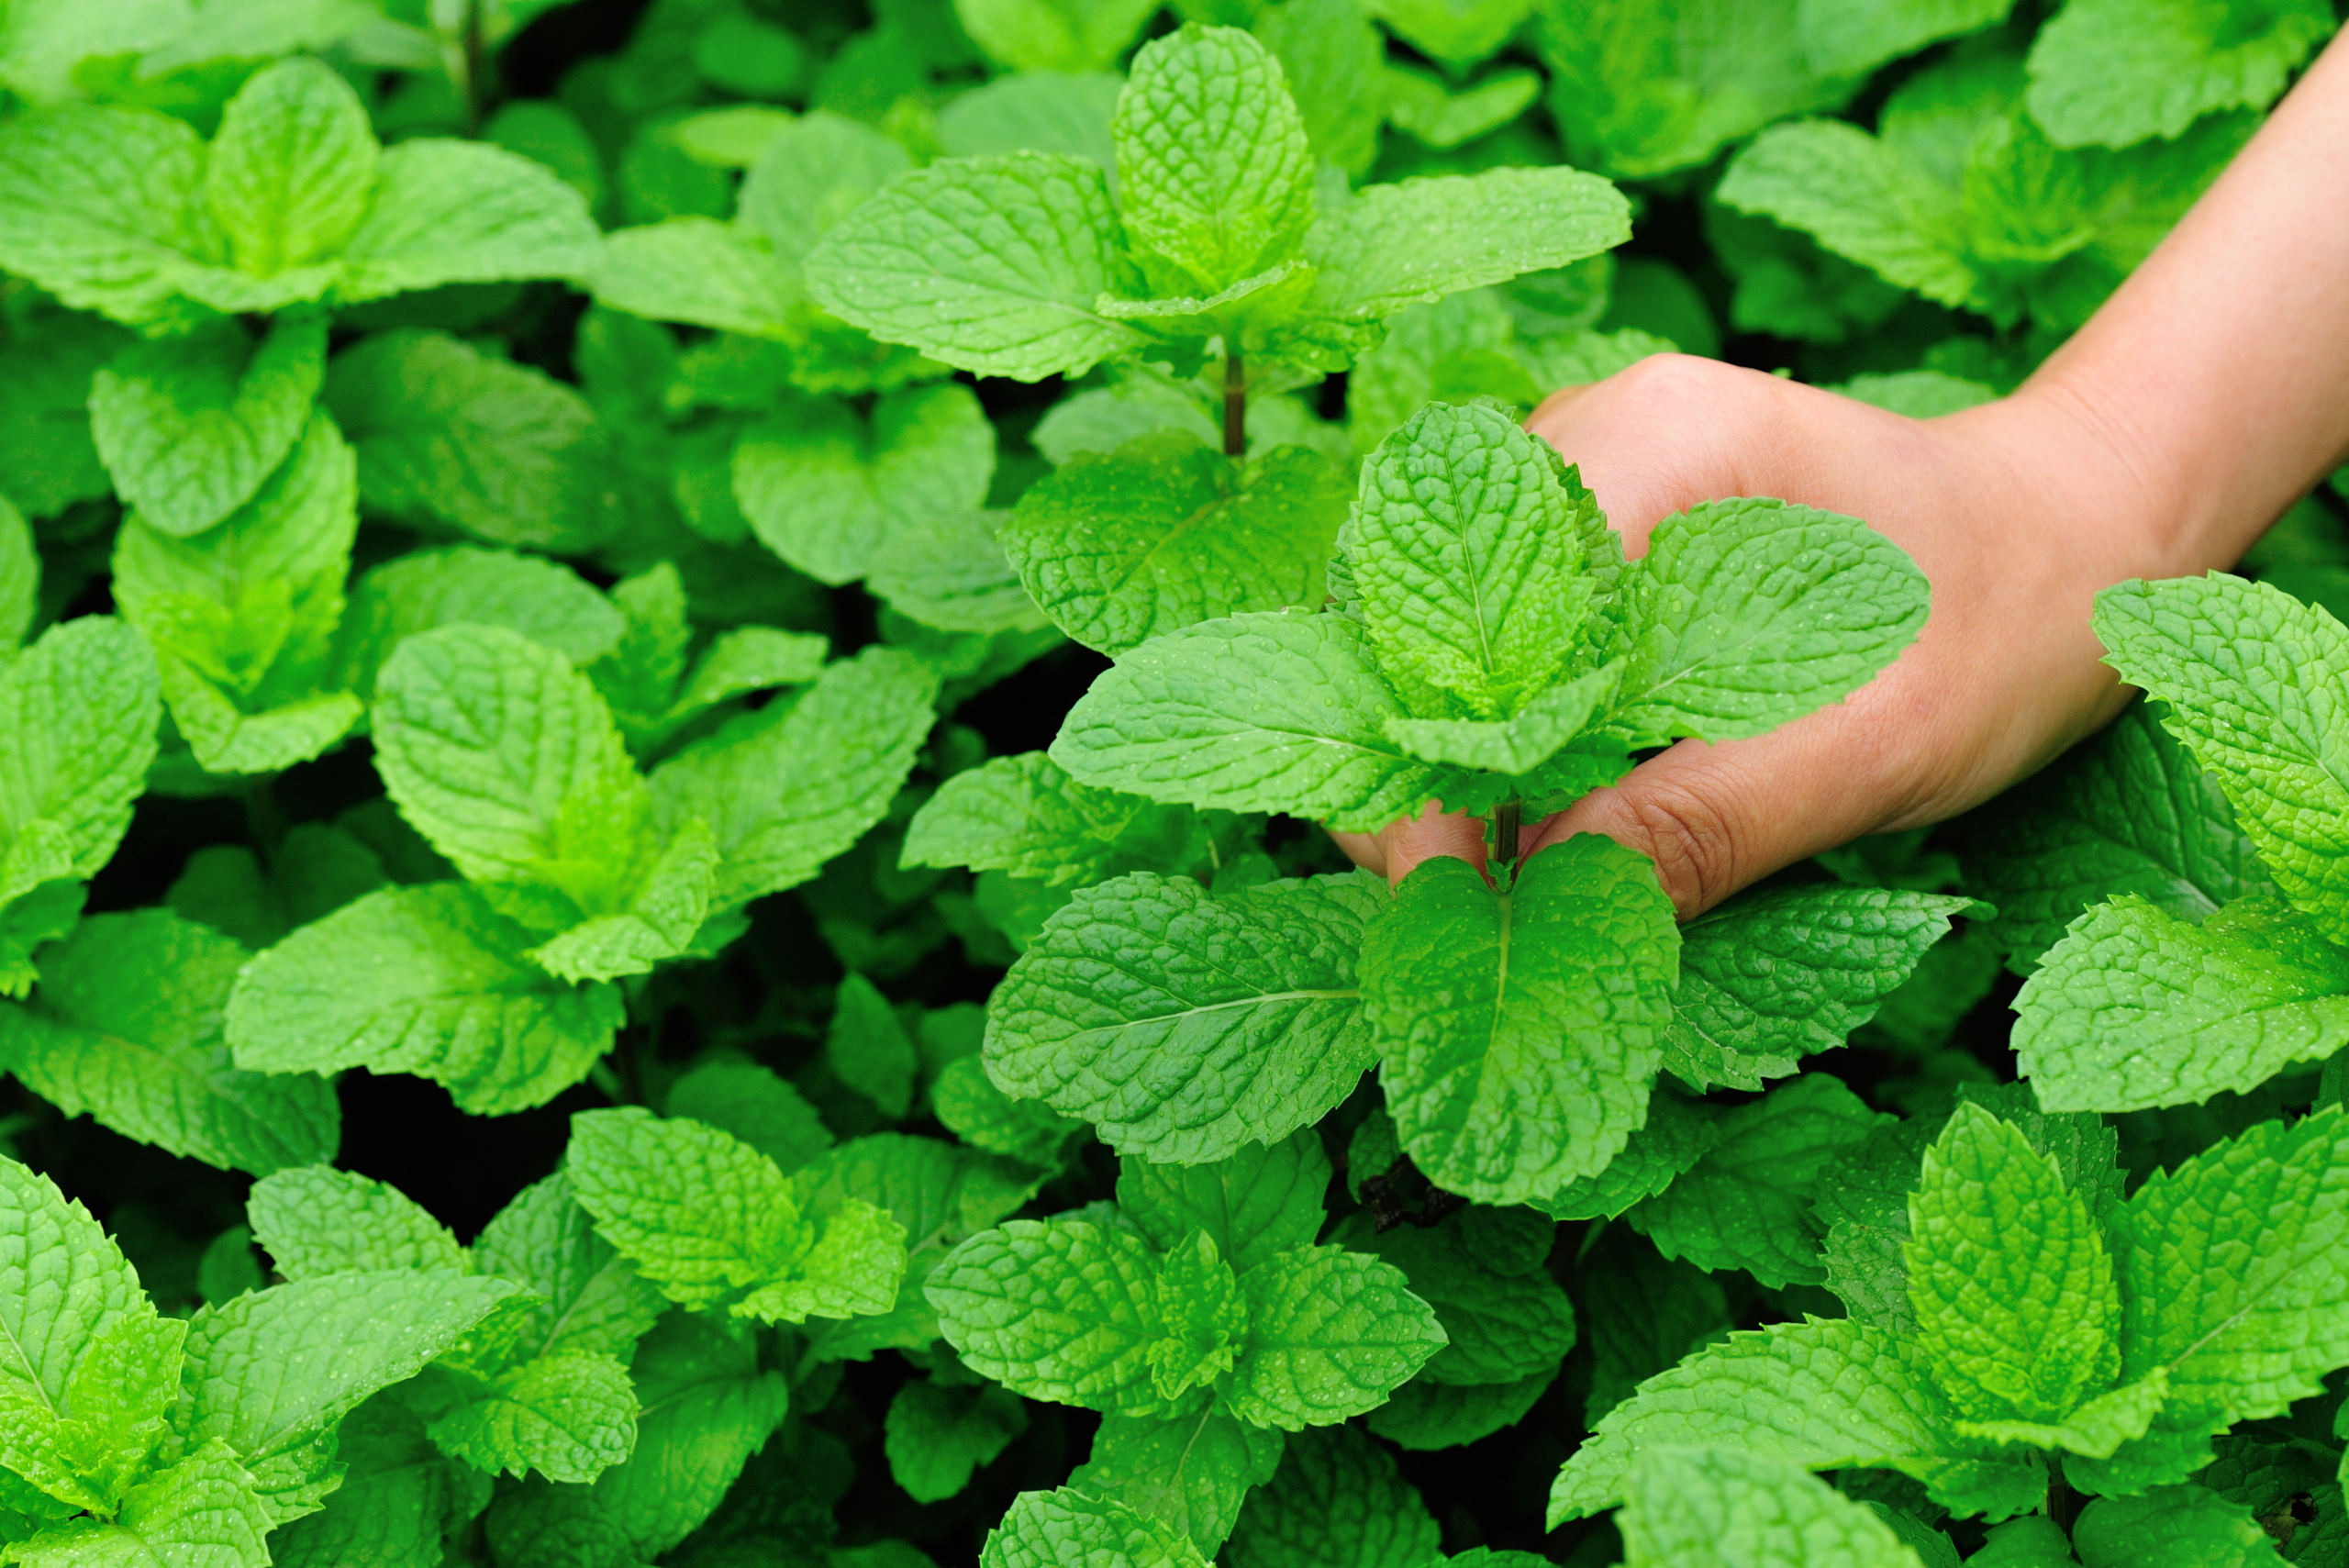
(669,673)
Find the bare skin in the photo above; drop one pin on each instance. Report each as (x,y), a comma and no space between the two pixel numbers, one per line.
(2208,393)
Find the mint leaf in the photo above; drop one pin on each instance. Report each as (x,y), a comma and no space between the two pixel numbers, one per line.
(1337,1500)
(1861,199)
(1777,973)
(720,276)
(1520,1030)
(869,1049)
(1063,1309)
(988,264)
(126,1027)
(1747,614)
(2170,1524)
(1053,35)
(425,980)
(465,584)
(1024,814)
(707,1408)
(1271,712)
(1422,1415)
(1678,1133)
(1641,1315)
(19,577)
(1213,171)
(1166,532)
(1843,38)
(754,1106)
(2093,82)
(317,1220)
(1520,745)
(569,1416)
(204,1507)
(291,172)
(1202,1318)
(1816,1394)
(398,1496)
(2134,1007)
(813,172)
(1043,1530)
(1406,244)
(190,427)
(1707,1506)
(1332,58)
(1501,1325)
(98,206)
(1331,1334)
(2129,812)
(1263,1200)
(1192,1471)
(1441,543)
(460,212)
(950,573)
(448,435)
(935,1435)
(1746,1202)
(1049,110)
(1455,34)
(587,1299)
(2014,1329)
(1182,1025)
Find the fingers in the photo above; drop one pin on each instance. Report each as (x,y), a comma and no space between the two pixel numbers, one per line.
(1394,849)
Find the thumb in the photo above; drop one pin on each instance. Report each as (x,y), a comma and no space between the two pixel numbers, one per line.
(1395,849)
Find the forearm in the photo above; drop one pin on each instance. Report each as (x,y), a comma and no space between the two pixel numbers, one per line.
(2215,380)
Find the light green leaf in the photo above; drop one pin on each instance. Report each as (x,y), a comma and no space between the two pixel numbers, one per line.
(1273,712)
(1062,1310)
(1424,1415)
(707,1408)
(869,1049)
(97,206)
(2185,1525)
(2135,1008)
(1503,1324)
(270,1372)
(989,264)
(1845,38)
(1407,244)
(1861,199)
(790,786)
(948,571)
(1034,111)
(398,1496)
(462,211)
(19,576)
(1337,1500)
(1676,1135)
(1047,1529)
(317,1220)
(587,1299)
(291,172)
(426,980)
(698,270)
(826,489)
(1166,532)
(202,1509)
(2014,1295)
(127,1025)
(1331,1334)
(1024,814)
(1424,106)
(1748,614)
(1816,1394)
(463,583)
(1054,35)
(1181,1025)
(1191,1472)
(1256,1202)
(447,434)
(190,428)
(1772,976)
(1726,1507)
(754,1106)
(813,174)
(934,1435)
(569,1416)
(1520,1031)
(2112,75)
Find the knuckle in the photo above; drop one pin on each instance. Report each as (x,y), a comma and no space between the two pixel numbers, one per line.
(1693,839)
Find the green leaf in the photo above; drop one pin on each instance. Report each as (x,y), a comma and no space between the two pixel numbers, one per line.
(1776,975)
(2112,75)
(2171,1524)
(1642,1314)
(1424,1416)
(993,265)
(1746,1204)
(2134,1007)
(291,172)
(1678,1133)
(790,786)
(2013,1291)
(1747,614)
(1443,545)
(1260,1201)
(1045,1530)
(939,1191)
(317,1220)
(2126,813)
(1034,111)
(463,583)
(1725,1507)
(1062,1310)
(1407,244)
(1862,200)
(269,1372)
(1520,1030)
(1337,1500)
(713,1222)
(935,1435)
(698,270)
(1053,35)
(568,1417)
(80,709)
(19,577)
(588,1298)
(201,1509)
(950,573)
(754,1106)
(707,1408)
(826,489)
(1457,32)
(425,980)
(1816,1394)
(1024,814)
(1332,58)
(1501,1325)
(1181,1025)
(1191,1472)
(190,427)
(1273,712)
(1213,172)
(97,206)
(126,1027)
(1166,532)
(966,1102)
(462,211)
(812,173)
(1201,1317)
(869,1049)
(1845,38)
(1422,105)
(1331,1334)
(448,435)
(397,1497)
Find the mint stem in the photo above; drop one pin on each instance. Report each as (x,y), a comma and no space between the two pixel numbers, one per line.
(1506,819)
(1235,405)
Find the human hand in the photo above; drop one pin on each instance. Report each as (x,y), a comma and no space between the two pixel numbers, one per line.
(2018,512)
